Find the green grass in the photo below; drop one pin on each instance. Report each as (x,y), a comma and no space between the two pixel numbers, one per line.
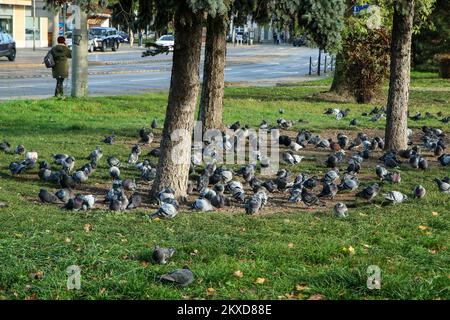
(33,237)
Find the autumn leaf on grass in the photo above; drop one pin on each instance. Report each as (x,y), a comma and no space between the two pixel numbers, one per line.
(238,274)
(87,227)
(350,250)
(194,253)
(434,213)
(144,263)
(317,296)
(290,245)
(260,280)
(36,275)
(210,291)
(301,287)
(423,227)
(32,297)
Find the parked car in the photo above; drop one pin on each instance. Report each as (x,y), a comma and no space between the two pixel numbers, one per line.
(166,41)
(7,46)
(123,36)
(105,38)
(69,41)
(299,41)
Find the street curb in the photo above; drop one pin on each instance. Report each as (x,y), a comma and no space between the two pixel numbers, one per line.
(48,75)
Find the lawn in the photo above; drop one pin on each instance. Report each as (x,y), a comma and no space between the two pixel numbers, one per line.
(300,253)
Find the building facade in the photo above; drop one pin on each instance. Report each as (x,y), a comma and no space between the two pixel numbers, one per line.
(16,19)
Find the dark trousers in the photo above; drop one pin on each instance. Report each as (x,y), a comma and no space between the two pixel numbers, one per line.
(59,87)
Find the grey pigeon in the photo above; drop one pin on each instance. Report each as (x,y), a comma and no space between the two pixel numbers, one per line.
(395,197)
(95,155)
(162,255)
(329,191)
(129,184)
(419,192)
(154,124)
(113,161)
(166,210)
(340,210)
(369,192)
(444,159)
(64,195)
(443,186)
(135,201)
(114,172)
(182,277)
(202,205)
(109,139)
(47,197)
(310,199)
(20,149)
(256,202)
(381,172)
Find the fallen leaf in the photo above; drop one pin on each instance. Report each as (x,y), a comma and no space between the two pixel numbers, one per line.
(434,213)
(194,253)
(210,291)
(32,297)
(433,251)
(87,227)
(290,245)
(36,275)
(317,296)
(423,227)
(238,274)
(260,280)
(68,240)
(144,263)
(301,287)
(102,290)
(156,219)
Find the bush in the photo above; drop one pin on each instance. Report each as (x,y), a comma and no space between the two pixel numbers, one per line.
(366,58)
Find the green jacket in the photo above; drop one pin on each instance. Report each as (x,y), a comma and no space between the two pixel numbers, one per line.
(61,54)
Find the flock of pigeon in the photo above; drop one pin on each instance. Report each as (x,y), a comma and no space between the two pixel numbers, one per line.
(218,186)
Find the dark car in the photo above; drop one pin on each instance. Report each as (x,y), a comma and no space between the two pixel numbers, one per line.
(105,38)
(123,37)
(7,46)
(299,41)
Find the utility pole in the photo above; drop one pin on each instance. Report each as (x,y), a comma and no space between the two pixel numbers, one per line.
(34,25)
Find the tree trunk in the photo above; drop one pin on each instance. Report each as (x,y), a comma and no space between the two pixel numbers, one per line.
(79,58)
(397,105)
(338,85)
(174,162)
(211,103)
(131,35)
(55,28)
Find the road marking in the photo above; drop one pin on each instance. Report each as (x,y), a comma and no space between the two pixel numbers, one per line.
(14,86)
(151,79)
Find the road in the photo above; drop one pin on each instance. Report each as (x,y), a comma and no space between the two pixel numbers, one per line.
(125,72)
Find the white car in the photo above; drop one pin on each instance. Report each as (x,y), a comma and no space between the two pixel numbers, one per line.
(166,41)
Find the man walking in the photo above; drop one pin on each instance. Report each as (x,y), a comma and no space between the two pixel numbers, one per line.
(61,53)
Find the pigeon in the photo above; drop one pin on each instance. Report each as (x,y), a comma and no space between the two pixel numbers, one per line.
(290,158)
(114,172)
(444,159)
(59,158)
(423,164)
(5,147)
(311,183)
(95,155)
(68,164)
(331,161)
(237,190)
(166,210)
(64,195)
(133,158)
(154,124)
(369,192)
(219,200)
(443,186)
(310,199)
(17,168)
(296,194)
(20,149)
(181,277)
(393,177)
(381,172)
(31,155)
(135,201)
(74,203)
(162,255)
(45,174)
(419,192)
(148,174)
(256,202)
(80,176)
(340,210)
(329,191)
(146,137)
(202,205)
(88,201)
(47,197)
(129,184)
(349,182)
(331,176)
(109,139)
(395,197)
(247,172)
(155,152)
(66,181)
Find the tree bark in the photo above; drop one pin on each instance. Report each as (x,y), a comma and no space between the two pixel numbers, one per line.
(211,103)
(79,58)
(339,85)
(397,105)
(174,162)
(55,28)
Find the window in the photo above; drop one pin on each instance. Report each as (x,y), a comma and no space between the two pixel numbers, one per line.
(29,25)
